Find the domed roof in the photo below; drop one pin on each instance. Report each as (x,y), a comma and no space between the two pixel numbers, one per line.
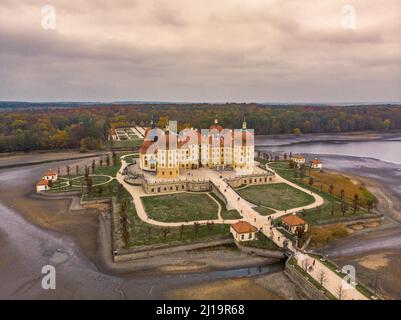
(216,126)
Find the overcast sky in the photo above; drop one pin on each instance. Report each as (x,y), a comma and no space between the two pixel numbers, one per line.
(201,50)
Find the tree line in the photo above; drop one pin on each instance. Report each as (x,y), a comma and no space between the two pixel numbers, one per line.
(88,127)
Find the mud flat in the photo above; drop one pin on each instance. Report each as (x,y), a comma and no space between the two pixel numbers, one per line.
(27,159)
(36,232)
(274,286)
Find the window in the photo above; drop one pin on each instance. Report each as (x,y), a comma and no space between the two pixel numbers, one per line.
(242,237)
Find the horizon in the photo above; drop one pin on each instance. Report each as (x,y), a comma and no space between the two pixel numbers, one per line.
(188,52)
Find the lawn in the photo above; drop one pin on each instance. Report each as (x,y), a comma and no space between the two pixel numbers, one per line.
(262,242)
(279,196)
(134,143)
(264,211)
(180,207)
(226,214)
(80,181)
(142,233)
(331,209)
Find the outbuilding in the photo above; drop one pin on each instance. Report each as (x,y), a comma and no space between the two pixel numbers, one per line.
(42,185)
(50,175)
(243,231)
(298,159)
(294,224)
(316,164)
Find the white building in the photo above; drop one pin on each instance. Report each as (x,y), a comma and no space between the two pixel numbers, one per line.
(243,231)
(316,164)
(165,152)
(50,175)
(298,159)
(42,185)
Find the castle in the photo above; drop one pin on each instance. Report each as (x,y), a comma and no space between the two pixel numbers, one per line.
(165,152)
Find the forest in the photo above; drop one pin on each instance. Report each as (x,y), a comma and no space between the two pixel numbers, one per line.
(86,127)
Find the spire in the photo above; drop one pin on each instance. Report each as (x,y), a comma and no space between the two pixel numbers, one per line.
(152,122)
(244,124)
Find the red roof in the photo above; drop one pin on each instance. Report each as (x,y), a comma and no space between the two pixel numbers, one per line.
(50,172)
(243,227)
(43,183)
(298,156)
(316,161)
(293,220)
(216,126)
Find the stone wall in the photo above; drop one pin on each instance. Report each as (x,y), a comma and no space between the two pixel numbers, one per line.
(254,179)
(156,250)
(303,283)
(177,186)
(260,252)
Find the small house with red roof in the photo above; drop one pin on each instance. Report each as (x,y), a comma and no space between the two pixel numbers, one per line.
(294,224)
(42,185)
(50,175)
(299,159)
(316,164)
(243,231)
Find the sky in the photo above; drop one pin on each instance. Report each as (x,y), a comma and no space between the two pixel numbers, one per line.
(201,50)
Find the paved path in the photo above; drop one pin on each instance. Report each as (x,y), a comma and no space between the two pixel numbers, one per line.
(263,223)
(137,192)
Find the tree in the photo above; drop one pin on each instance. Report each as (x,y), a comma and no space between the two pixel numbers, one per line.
(196,229)
(387,124)
(165,233)
(100,190)
(297,131)
(181,230)
(68,170)
(93,166)
(355,203)
(77,170)
(331,189)
(340,292)
(149,233)
(108,160)
(86,172)
(311,181)
(89,184)
(342,194)
(101,162)
(114,156)
(110,185)
(322,277)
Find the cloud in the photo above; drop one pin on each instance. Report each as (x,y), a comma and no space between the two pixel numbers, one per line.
(200,50)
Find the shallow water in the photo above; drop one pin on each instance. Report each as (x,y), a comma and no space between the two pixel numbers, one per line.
(385,150)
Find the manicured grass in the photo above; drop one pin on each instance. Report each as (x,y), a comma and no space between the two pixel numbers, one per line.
(262,242)
(142,233)
(134,143)
(180,207)
(130,159)
(264,211)
(80,181)
(226,214)
(325,213)
(279,196)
